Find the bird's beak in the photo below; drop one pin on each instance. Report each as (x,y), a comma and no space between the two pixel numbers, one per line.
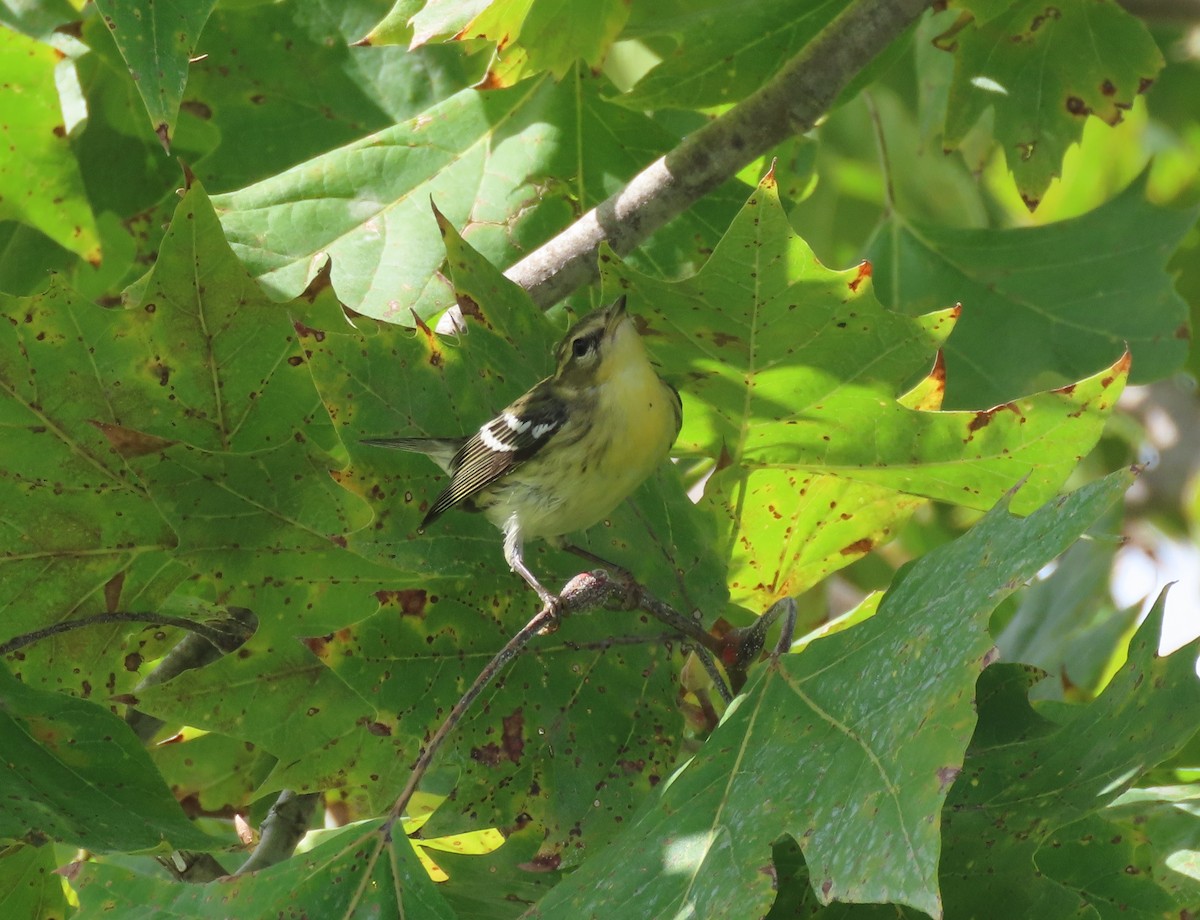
(616,313)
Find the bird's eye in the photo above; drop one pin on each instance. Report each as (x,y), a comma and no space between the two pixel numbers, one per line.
(580,347)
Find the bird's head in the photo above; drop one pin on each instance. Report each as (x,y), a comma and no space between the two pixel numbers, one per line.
(603,343)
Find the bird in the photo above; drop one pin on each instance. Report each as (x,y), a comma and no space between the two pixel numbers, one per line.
(563,456)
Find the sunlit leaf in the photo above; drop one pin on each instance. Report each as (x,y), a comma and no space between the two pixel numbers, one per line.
(795,388)
(50,198)
(364,207)
(532,36)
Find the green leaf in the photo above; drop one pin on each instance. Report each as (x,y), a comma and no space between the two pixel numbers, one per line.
(889,702)
(796,390)
(75,773)
(214,773)
(1043,70)
(81,534)
(354,874)
(111,499)
(364,207)
(1159,825)
(320,741)
(40,184)
(1044,305)
(1066,624)
(157,40)
(302,91)
(31,889)
(533,36)
(394,28)
(442,18)
(36,18)
(1027,780)
(207,344)
(724,51)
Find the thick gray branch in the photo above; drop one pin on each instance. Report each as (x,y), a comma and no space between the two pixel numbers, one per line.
(790,103)
(283,828)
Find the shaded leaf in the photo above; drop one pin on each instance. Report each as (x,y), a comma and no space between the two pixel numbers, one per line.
(1043,70)
(1066,624)
(323,738)
(355,874)
(281,86)
(724,51)
(82,535)
(31,890)
(1026,782)
(75,773)
(1043,306)
(211,773)
(157,40)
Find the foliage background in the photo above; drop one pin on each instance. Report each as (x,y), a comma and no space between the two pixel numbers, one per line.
(215,238)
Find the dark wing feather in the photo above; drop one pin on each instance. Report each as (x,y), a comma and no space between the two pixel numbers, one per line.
(501,445)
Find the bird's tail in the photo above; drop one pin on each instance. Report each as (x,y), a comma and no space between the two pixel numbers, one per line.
(441,451)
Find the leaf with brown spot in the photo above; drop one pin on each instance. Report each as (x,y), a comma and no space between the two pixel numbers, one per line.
(1041,69)
(129,442)
(795,388)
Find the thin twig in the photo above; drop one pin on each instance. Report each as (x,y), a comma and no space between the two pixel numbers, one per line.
(667,614)
(208,632)
(799,94)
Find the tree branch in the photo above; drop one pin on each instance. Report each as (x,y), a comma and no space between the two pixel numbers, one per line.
(790,103)
(282,829)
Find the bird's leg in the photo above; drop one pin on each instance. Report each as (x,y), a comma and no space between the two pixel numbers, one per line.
(514,555)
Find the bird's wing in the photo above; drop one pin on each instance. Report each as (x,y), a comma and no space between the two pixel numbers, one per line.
(501,445)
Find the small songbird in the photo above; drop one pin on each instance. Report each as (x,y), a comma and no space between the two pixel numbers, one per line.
(564,455)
